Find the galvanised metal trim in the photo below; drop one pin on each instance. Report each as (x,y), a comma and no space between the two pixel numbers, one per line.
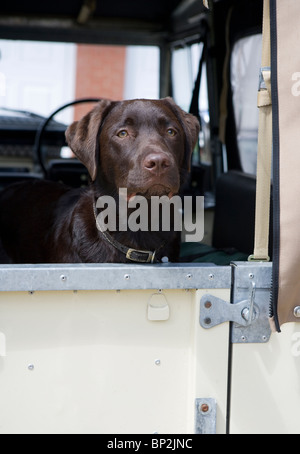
(205,416)
(248,308)
(244,276)
(246,272)
(113,277)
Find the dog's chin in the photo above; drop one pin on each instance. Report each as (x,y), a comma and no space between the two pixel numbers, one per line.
(157,190)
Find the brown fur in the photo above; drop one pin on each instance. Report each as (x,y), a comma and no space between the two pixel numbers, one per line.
(45,222)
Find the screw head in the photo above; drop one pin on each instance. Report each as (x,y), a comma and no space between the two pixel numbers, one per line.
(204,408)
(297,312)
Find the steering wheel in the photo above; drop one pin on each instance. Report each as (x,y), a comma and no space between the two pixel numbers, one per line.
(40,132)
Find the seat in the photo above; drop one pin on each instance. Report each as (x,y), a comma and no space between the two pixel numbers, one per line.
(9,177)
(234,224)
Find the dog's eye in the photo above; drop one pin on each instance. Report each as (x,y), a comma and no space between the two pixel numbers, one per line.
(122,134)
(171,132)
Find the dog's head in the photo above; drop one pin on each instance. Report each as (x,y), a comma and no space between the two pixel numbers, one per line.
(142,145)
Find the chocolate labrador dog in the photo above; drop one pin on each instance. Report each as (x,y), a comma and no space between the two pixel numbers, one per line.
(141,146)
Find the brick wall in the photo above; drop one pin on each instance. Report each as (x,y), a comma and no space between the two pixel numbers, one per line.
(100,73)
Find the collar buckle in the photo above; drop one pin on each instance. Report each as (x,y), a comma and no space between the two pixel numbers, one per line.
(140,256)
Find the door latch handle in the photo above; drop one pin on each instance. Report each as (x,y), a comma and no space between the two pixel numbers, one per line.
(214,311)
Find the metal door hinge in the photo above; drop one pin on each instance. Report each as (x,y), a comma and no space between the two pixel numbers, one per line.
(249,314)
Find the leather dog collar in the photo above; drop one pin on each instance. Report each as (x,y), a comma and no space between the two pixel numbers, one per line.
(134,255)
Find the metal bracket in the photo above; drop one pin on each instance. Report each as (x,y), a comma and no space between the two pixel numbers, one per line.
(205,416)
(214,311)
(249,317)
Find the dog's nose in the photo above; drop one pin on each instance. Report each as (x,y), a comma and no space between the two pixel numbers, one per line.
(157,163)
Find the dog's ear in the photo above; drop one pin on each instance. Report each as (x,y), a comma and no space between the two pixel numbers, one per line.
(191,127)
(83,136)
